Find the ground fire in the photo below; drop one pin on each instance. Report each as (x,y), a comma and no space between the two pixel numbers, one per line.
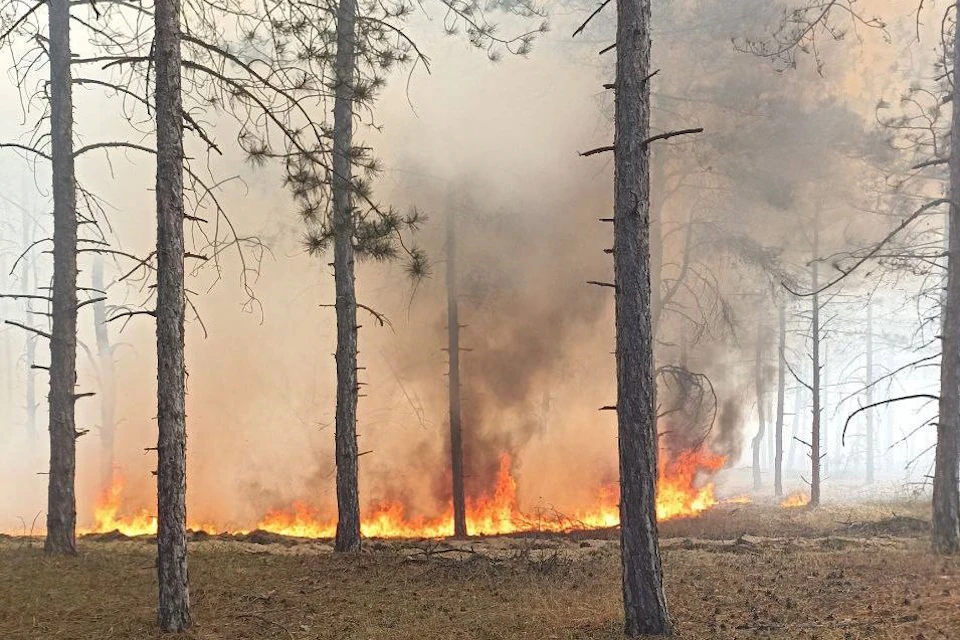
(684,490)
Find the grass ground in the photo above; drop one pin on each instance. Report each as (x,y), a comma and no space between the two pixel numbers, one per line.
(737,572)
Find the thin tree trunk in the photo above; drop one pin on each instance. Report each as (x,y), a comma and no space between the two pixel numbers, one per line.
(61,500)
(348,500)
(28,269)
(871,433)
(781,391)
(453,347)
(174,610)
(644,602)
(761,419)
(946,477)
(105,370)
(795,426)
(815,332)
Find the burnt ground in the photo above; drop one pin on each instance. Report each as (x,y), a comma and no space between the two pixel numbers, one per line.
(743,571)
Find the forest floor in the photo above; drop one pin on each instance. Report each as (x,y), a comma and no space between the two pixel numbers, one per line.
(736,572)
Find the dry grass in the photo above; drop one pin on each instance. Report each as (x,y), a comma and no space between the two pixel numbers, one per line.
(751,572)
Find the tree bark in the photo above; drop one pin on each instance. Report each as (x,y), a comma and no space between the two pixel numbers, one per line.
(781,391)
(453,348)
(871,433)
(761,418)
(644,602)
(946,478)
(174,609)
(348,500)
(815,333)
(61,499)
(105,375)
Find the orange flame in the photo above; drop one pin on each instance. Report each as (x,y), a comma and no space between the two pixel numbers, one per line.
(681,493)
(795,500)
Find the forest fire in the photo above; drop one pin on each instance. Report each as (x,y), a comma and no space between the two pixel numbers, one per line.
(795,500)
(682,493)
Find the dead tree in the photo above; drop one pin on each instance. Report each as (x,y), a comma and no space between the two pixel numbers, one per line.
(174,595)
(453,351)
(61,499)
(946,477)
(781,384)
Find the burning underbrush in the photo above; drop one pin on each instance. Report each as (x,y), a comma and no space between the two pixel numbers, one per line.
(685,489)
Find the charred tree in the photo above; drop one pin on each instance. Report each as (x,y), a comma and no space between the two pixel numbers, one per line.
(644,602)
(761,418)
(781,391)
(453,348)
(105,376)
(348,500)
(946,477)
(174,594)
(61,499)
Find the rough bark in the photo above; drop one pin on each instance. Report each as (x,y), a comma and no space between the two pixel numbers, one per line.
(644,602)
(761,418)
(946,478)
(453,348)
(174,609)
(105,375)
(781,392)
(870,443)
(348,500)
(61,500)
(815,384)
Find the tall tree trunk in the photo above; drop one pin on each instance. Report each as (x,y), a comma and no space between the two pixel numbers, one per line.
(871,433)
(105,370)
(795,426)
(28,269)
(761,419)
(946,478)
(61,500)
(644,602)
(781,391)
(348,499)
(815,333)
(174,610)
(453,348)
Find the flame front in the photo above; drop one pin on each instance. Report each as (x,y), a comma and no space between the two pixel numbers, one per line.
(681,493)
(795,500)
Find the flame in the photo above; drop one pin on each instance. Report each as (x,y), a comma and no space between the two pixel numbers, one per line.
(681,493)
(105,518)
(795,500)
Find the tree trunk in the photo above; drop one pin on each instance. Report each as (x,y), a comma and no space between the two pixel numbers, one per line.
(815,333)
(781,391)
(870,444)
(946,479)
(28,269)
(795,426)
(453,347)
(644,602)
(761,419)
(61,500)
(105,370)
(174,610)
(348,499)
